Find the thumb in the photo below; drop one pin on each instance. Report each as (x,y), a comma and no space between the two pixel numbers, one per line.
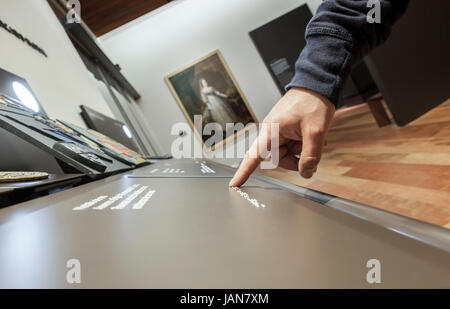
(313,141)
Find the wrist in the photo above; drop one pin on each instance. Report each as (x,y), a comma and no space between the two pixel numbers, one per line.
(311,96)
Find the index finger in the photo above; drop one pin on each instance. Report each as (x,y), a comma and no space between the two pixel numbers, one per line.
(247,167)
(252,159)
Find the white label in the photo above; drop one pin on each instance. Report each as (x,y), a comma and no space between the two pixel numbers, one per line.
(205,169)
(129,199)
(115,198)
(90,203)
(133,192)
(141,203)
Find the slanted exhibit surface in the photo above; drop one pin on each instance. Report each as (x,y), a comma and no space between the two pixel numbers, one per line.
(178,232)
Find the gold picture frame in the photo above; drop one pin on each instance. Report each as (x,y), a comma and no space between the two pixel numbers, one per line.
(188,85)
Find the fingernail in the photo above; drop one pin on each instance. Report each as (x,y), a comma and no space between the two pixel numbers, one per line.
(230,184)
(307,173)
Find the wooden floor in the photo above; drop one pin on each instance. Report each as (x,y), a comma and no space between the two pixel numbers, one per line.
(405,170)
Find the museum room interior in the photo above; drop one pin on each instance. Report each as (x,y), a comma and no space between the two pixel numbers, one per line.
(114,122)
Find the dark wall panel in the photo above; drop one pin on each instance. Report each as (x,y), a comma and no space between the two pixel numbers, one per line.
(412,69)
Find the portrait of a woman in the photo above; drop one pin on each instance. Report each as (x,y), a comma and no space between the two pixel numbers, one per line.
(207,88)
(215,107)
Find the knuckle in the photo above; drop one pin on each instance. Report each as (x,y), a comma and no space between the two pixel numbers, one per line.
(316,131)
(310,162)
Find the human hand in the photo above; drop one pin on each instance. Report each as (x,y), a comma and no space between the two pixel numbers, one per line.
(304,118)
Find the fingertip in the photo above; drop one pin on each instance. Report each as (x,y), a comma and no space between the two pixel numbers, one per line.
(244,171)
(237,180)
(307,173)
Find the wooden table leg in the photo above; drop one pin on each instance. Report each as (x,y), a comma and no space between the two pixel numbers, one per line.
(379,113)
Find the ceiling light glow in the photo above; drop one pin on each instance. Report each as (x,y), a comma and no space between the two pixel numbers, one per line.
(127,131)
(25,96)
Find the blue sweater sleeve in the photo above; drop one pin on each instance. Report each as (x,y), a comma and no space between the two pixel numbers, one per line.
(337,37)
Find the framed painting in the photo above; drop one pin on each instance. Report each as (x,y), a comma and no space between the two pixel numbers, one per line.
(208,89)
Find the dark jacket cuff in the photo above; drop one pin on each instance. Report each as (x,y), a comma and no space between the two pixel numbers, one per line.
(316,70)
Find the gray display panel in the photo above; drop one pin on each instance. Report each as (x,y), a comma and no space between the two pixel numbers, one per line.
(25,126)
(198,233)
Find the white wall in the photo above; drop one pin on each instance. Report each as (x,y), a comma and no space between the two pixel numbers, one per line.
(161,42)
(61,81)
